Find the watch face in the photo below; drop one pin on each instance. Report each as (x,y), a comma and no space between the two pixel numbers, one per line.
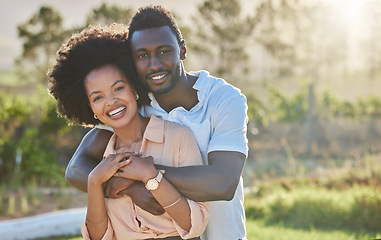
(152,184)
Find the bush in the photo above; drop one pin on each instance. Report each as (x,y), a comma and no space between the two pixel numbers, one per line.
(31,133)
(356,208)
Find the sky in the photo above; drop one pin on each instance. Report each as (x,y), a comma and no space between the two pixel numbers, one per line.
(73,12)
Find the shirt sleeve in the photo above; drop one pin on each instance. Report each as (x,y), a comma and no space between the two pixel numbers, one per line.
(199,220)
(109,234)
(229,124)
(189,153)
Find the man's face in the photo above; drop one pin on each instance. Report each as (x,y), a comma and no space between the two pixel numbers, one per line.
(156,53)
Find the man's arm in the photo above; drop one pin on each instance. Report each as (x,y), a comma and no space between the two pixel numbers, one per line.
(226,158)
(88,154)
(226,148)
(216,181)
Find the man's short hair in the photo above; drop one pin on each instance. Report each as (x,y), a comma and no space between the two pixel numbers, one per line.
(153,17)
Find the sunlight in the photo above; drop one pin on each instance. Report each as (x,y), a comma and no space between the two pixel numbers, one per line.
(351,13)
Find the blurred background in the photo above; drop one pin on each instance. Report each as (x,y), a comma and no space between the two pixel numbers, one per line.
(311,71)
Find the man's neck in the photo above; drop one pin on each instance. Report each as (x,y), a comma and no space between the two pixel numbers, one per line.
(182,95)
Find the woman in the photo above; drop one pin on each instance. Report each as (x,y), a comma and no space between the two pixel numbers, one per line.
(94,81)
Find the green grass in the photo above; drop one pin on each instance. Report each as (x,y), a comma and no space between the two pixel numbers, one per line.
(356,208)
(257,229)
(8,78)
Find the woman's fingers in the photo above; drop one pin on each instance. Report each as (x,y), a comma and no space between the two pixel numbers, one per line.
(123,163)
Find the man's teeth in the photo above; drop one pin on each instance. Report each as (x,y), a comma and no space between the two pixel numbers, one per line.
(158,77)
(116,111)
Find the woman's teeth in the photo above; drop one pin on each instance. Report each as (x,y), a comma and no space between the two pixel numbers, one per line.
(116,111)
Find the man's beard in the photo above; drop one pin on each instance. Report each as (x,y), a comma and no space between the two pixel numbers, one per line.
(175,79)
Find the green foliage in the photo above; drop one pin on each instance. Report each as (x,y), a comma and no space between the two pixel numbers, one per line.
(369,106)
(271,18)
(42,35)
(293,109)
(27,151)
(13,111)
(106,14)
(289,109)
(218,25)
(363,108)
(257,111)
(259,229)
(38,160)
(356,208)
(341,201)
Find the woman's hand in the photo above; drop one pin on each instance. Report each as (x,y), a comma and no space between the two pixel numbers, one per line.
(108,167)
(139,168)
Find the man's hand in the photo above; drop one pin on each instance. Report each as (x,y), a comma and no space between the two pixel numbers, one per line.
(114,186)
(143,198)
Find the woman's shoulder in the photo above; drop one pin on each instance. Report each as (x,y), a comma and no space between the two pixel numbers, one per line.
(174,126)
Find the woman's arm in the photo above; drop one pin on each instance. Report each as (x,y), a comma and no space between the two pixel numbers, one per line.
(96,218)
(143,170)
(88,154)
(203,183)
(173,203)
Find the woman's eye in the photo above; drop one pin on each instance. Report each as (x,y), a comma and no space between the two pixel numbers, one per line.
(143,55)
(97,98)
(163,52)
(119,89)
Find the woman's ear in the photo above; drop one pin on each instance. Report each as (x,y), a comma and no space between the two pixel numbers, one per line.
(183,50)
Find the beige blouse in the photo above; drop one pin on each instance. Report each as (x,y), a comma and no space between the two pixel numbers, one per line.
(170,144)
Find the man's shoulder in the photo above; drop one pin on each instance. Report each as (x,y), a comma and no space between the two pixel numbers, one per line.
(216,87)
(222,91)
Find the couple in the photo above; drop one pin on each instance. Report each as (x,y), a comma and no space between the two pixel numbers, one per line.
(102,87)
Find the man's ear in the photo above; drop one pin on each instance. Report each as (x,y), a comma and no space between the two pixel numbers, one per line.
(183,50)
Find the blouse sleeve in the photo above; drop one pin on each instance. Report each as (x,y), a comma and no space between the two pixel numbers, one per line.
(109,234)
(199,220)
(189,154)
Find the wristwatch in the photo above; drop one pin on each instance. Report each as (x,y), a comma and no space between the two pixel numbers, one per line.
(153,183)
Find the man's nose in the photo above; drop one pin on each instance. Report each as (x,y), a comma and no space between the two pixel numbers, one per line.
(155,63)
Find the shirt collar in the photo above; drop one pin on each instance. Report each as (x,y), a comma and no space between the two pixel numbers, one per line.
(200,85)
(155,130)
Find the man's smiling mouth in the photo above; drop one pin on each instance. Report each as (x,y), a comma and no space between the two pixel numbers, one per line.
(158,77)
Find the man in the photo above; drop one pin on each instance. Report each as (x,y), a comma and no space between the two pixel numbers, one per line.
(213,109)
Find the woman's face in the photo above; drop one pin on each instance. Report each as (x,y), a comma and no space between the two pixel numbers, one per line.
(111,97)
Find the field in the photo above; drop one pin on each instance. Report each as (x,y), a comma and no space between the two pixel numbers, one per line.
(344,204)
(334,192)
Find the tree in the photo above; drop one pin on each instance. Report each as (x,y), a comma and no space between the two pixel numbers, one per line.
(373,46)
(275,25)
(222,34)
(105,15)
(42,35)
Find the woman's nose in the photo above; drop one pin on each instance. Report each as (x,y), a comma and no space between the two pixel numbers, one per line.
(112,101)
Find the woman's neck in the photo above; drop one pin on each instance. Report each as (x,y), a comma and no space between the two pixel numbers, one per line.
(131,134)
